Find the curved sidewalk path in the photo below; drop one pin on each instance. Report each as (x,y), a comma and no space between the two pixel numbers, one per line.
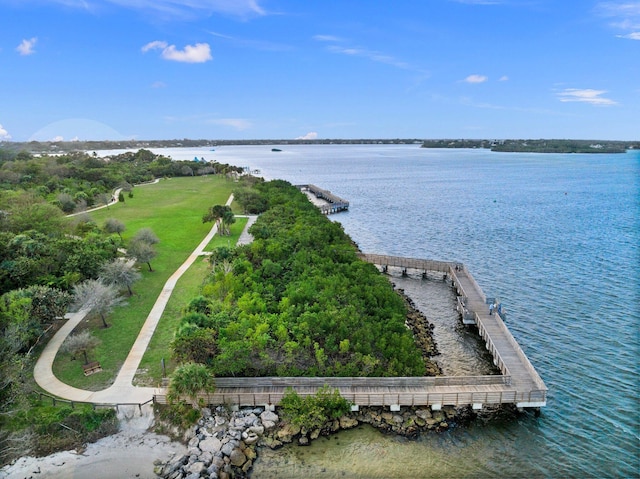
(122,390)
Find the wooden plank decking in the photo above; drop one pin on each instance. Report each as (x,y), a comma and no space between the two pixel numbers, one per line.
(507,354)
(334,204)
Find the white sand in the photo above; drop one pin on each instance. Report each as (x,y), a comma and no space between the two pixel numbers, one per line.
(127,454)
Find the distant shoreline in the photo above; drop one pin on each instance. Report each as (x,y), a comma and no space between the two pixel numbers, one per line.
(502,145)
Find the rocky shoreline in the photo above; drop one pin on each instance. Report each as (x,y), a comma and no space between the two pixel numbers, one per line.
(224,444)
(422,330)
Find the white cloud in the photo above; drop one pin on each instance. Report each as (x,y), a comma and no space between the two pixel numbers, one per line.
(327,38)
(237,123)
(312,135)
(57,138)
(371,55)
(503,78)
(176,8)
(476,79)
(4,134)
(631,36)
(624,15)
(153,45)
(587,95)
(26,47)
(198,53)
(158,84)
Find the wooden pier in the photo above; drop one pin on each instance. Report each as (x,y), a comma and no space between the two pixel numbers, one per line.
(518,383)
(334,204)
(474,309)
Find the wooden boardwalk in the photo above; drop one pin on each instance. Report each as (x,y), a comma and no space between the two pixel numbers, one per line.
(518,384)
(334,204)
(472,304)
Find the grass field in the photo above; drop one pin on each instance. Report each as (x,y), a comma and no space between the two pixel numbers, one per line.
(150,370)
(173,209)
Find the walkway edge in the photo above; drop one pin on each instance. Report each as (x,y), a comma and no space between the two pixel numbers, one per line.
(122,390)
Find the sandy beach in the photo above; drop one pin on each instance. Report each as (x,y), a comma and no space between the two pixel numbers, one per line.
(128,454)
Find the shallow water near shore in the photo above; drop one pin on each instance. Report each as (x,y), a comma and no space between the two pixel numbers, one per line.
(555,237)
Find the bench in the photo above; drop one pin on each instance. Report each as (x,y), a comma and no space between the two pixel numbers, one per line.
(91,368)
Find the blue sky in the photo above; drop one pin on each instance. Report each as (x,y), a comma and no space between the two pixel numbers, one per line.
(255,69)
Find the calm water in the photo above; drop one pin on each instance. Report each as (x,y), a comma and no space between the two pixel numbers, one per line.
(554,237)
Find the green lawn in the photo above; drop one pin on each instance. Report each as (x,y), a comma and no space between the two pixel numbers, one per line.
(173,209)
(188,287)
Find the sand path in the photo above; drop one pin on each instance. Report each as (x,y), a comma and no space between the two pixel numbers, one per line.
(122,390)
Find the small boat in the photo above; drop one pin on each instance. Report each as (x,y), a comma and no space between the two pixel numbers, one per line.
(276,149)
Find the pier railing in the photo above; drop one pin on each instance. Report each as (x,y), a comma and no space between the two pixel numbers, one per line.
(335,203)
(492,348)
(410,263)
(366,391)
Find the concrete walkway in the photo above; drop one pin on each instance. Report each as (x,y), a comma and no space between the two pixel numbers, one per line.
(122,390)
(245,237)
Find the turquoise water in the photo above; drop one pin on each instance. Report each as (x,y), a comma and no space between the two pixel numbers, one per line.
(555,238)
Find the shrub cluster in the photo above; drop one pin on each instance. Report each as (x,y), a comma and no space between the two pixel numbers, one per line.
(313,412)
(297,301)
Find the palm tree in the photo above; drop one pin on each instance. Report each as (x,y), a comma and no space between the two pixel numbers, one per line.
(189,380)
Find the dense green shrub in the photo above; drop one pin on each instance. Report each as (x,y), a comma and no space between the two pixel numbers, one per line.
(298,301)
(313,412)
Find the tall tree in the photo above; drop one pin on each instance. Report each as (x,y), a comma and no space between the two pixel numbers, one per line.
(222,215)
(120,272)
(146,235)
(97,297)
(82,342)
(142,252)
(112,225)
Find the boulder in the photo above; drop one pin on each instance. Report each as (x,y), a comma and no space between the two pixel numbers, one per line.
(196,468)
(206,457)
(270,417)
(347,422)
(423,413)
(251,438)
(286,433)
(271,442)
(259,430)
(229,447)
(237,458)
(250,453)
(220,421)
(211,444)
(247,466)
